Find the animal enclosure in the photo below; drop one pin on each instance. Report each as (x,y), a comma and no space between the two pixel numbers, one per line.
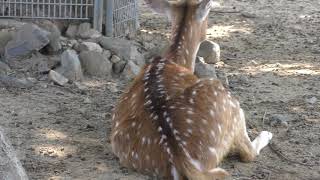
(47,9)
(121,16)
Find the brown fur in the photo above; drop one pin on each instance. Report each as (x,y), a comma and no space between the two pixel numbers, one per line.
(171,124)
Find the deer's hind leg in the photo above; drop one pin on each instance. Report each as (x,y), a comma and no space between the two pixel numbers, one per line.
(249,149)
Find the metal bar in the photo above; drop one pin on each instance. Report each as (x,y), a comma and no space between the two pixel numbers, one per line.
(81,9)
(109,18)
(98,15)
(9,9)
(76,9)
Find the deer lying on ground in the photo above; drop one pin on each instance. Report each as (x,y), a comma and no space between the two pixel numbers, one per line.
(173,125)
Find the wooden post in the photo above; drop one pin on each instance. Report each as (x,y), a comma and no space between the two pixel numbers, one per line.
(109,18)
(98,15)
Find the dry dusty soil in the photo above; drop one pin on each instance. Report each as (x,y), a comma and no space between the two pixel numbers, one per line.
(271,56)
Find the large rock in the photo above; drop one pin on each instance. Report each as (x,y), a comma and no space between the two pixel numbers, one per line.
(131,70)
(72,31)
(5,37)
(86,32)
(11,23)
(95,64)
(70,66)
(204,70)
(89,46)
(54,35)
(83,29)
(4,68)
(210,51)
(127,50)
(10,165)
(119,66)
(29,38)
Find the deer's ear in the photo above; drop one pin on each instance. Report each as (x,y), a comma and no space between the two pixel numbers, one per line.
(204,8)
(159,6)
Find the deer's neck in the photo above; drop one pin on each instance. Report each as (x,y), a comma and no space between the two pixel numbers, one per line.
(185,42)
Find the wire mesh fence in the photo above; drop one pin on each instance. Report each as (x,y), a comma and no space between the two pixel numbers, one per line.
(50,9)
(125,17)
(121,15)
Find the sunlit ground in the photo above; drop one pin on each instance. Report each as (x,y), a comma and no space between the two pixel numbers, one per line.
(284,69)
(218,31)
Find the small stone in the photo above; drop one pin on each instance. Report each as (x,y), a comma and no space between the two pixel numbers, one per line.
(70,66)
(312,100)
(248,15)
(119,66)
(72,31)
(87,101)
(95,64)
(106,54)
(204,70)
(253,62)
(89,126)
(115,59)
(223,77)
(279,120)
(210,51)
(57,78)
(243,79)
(43,67)
(72,43)
(131,70)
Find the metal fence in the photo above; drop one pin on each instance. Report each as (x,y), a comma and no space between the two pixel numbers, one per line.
(121,16)
(50,9)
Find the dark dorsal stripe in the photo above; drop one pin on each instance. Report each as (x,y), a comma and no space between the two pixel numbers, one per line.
(156,95)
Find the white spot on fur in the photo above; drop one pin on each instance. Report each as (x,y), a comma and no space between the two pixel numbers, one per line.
(211,113)
(213,134)
(190,112)
(189,121)
(204,121)
(196,164)
(133,124)
(174,173)
(219,128)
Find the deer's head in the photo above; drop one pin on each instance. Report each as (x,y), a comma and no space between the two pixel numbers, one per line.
(192,12)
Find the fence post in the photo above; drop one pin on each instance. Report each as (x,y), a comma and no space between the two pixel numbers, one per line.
(109,18)
(98,15)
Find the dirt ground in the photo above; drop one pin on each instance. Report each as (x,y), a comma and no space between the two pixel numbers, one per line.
(271,55)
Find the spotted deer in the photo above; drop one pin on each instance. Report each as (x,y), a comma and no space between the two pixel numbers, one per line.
(173,125)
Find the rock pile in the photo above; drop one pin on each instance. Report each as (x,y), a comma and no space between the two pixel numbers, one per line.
(81,51)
